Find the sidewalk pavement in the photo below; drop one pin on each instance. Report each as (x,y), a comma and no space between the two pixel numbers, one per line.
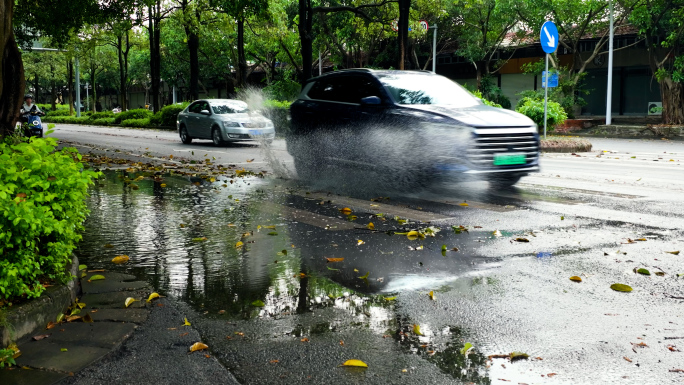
(101,352)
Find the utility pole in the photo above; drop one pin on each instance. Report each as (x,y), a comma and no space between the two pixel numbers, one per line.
(609,91)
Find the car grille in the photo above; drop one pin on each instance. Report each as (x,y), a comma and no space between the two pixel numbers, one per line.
(484,146)
(254,125)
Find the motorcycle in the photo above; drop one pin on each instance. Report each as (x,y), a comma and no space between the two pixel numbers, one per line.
(31,123)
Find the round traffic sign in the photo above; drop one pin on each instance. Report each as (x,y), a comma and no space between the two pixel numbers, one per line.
(548,36)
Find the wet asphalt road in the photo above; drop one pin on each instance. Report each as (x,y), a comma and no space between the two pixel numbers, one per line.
(596,215)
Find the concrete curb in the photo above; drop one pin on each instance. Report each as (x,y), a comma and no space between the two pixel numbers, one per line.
(565,146)
(29,318)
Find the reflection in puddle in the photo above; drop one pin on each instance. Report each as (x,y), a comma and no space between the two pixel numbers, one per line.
(245,248)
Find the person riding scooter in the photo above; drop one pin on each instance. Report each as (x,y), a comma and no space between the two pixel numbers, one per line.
(30,114)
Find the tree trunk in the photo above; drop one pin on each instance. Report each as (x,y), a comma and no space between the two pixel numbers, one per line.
(94,94)
(193,47)
(403,25)
(242,60)
(155,55)
(53,96)
(672,95)
(11,72)
(70,88)
(122,72)
(305,23)
(37,90)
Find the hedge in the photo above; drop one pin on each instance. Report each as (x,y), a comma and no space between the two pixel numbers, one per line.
(42,209)
(58,113)
(534,109)
(102,122)
(167,115)
(145,122)
(132,114)
(66,119)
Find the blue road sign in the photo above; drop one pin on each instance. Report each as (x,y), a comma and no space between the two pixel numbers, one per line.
(553,80)
(549,37)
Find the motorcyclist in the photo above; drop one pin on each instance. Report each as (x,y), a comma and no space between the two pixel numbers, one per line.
(29,107)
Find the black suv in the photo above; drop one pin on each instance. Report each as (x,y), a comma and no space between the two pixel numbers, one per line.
(412,126)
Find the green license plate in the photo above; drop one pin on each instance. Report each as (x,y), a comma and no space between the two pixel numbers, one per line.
(509,159)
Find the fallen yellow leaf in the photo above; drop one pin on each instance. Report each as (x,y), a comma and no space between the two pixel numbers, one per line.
(152,296)
(129,301)
(370,226)
(198,346)
(463,204)
(346,211)
(432,295)
(355,363)
(416,330)
(365,276)
(673,252)
(575,278)
(239,245)
(359,242)
(120,259)
(186,323)
(335,259)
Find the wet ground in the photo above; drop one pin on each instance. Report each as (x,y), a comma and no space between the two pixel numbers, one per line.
(286,281)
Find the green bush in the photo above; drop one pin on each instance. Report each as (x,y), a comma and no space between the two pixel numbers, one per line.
(102,122)
(66,119)
(534,109)
(132,114)
(42,209)
(100,115)
(48,107)
(145,122)
(478,95)
(58,113)
(166,117)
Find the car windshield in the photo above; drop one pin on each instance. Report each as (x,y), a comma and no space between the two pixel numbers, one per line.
(427,89)
(232,108)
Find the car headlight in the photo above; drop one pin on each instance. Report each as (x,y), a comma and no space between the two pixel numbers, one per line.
(231,124)
(451,134)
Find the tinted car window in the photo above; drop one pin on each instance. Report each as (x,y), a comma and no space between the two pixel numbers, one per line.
(347,89)
(426,89)
(195,107)
(204,106)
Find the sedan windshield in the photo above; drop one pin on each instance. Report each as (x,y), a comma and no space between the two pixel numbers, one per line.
(236,108)
(427,89)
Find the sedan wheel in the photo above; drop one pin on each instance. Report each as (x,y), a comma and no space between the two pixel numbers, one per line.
(216,137)
(185,138)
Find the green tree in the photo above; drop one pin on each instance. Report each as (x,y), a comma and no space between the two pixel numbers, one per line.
(661,24)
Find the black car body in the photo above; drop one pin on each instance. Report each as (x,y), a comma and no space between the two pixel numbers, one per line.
(416,122)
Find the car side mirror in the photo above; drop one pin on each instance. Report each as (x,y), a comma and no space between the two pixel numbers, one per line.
(371,101)
(205,112)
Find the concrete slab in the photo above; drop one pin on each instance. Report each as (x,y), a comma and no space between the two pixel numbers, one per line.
(99,334)
(30,377)
(121,315)
(46,355)
(107,286)
(114,300)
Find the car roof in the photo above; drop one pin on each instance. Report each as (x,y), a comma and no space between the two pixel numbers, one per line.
(374,72)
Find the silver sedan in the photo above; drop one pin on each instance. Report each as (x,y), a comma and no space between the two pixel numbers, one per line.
(222,121)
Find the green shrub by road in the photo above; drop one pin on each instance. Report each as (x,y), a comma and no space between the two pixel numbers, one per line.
(166,117)
(534,109)
(139,123)
(132,114)
(42,209)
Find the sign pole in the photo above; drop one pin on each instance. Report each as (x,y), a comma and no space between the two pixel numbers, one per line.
(434,49)
(545,83)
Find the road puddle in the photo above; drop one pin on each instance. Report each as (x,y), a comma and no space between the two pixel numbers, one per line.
(248,248)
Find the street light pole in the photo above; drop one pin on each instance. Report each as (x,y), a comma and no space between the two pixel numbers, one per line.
(87,100)
(434,49)
(609,91)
